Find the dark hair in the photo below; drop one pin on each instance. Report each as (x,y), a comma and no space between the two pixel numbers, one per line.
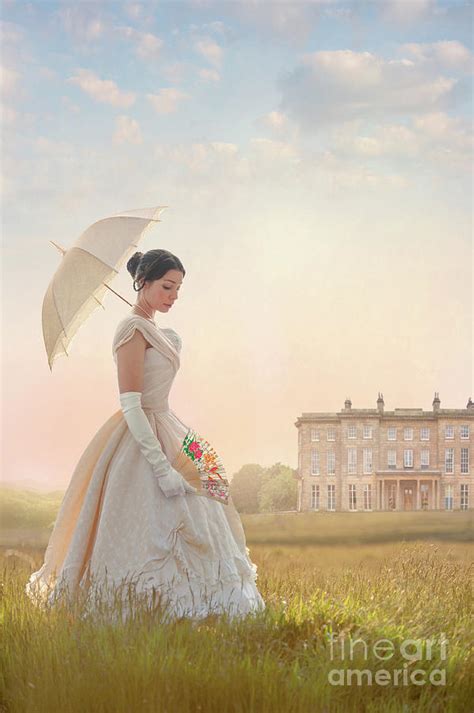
(152,265)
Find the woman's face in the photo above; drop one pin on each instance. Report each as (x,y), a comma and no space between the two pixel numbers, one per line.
(162,293)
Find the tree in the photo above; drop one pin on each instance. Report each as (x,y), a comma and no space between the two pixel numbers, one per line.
(278,490)
(245,487)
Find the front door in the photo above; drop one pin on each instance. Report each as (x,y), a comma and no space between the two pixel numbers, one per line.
(407,497)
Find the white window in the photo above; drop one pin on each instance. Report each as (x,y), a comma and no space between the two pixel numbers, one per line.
(331,434)
(352,460)
(331,497)
(367,460)
(464,496)
(449,431)
(367,496)
(425,459)
(449,460)
(315,497)
(314,461)
(448,497)
(425,434)
(392,433)
(314,434)
(408,434)
(464,431)
(408,458)
(352,497)
(331,462)
(352,431)
(392,459)
(367,431)
(464,460)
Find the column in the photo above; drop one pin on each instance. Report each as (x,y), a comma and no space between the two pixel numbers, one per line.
(417,494)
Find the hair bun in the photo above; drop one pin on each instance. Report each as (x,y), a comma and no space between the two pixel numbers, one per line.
(133,262)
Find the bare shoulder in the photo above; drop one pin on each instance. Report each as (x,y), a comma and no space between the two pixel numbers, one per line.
(130,352)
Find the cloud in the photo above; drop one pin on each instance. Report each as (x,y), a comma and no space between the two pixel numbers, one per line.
(83,21)
(293,21)
(276,120)
(209,75)
(432,139)
(105,91)
(11,33)
(167,100)
(8,80)
(147,45)
(330,87)
(127,130)
(446,54)
(405,12)
(174,71)
(210,50)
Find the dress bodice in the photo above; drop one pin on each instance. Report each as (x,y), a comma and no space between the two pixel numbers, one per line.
(161,359)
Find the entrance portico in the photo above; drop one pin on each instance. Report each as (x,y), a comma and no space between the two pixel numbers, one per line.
(413,492)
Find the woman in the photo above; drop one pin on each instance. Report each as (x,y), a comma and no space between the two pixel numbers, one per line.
(129,521)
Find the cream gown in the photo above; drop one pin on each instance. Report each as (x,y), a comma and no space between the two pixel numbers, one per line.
(116,529)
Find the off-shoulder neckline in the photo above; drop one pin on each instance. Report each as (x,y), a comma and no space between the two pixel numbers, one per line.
(155,326)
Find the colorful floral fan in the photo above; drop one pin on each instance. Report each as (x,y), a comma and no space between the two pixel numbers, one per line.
(198,462)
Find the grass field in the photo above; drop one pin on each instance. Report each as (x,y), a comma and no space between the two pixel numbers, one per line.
(330,580)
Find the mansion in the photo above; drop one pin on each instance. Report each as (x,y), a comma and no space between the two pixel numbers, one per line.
(372,459)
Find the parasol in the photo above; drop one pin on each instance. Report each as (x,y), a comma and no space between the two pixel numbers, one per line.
(82,278)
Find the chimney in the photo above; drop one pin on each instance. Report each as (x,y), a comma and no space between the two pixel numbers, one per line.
(436,401)
(347,404)
(470,403)
(380,403)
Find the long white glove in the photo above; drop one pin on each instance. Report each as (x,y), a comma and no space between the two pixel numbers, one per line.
(171,482)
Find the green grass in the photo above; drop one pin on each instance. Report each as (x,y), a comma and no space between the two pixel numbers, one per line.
(366,576)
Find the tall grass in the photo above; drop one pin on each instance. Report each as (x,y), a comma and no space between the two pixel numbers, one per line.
(278,660)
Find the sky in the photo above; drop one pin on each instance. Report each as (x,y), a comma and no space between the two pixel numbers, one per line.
(315,159)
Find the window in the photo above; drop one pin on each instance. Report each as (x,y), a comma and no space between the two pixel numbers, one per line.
(367,431)
(352,497)
(408,434)
(331,434)
(425,459)
(408,458)
(367,460)
(314,462)
(314,434)
(448,497)
(425,434)
(367,496)
(464,460)
(449,461)
(352,460)
(449,431)
(331,462)
(464,430)
(464,496)
(315,497)
(392,433)
(352,432)
(331,497)
(392,459)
